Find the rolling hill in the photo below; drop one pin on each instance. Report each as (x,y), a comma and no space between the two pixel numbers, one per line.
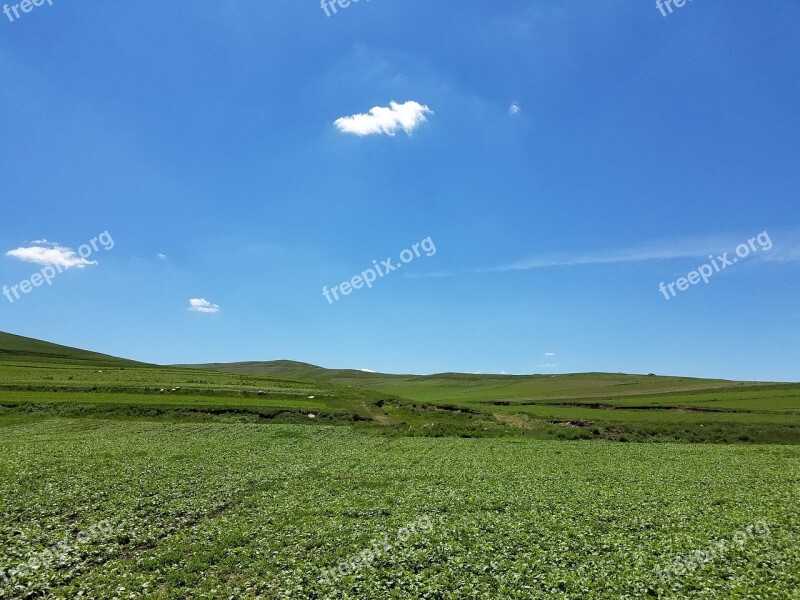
(39,379)
(443,387)
(16,347)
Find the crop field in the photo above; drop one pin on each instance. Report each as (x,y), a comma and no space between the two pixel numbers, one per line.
(266,511)
(125,480)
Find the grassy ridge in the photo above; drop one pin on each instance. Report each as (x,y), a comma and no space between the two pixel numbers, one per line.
(455,386)
(39,379)
(36,351)
(578,406)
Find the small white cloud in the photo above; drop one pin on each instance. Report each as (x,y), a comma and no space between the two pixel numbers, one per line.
(407,116)
(548,365)
(48,253)
(202,305)
(162,256)
(549,353)
(514,109)
(367,370)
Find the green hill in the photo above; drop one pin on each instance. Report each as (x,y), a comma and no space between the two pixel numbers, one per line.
(19,348)
(39,380)
(42,379)
(483,387)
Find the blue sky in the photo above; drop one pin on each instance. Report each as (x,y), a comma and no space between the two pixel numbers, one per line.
(204,132)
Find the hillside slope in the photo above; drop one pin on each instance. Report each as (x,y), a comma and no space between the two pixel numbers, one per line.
(41,380)
(44,379)
(19,348)
(489,387)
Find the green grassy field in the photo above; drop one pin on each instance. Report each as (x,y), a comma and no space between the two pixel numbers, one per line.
(246,511)
(47,380)
(277,480)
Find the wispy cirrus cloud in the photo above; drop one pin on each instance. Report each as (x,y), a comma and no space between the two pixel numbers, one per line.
(47,253)
(382,120)
(657,250)
(202,305)
(786,249)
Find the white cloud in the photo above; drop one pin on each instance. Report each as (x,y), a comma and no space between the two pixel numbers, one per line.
(367,370)
(514,109)
(407,116)
(162,256)
(48,253)
(549,353)
(202,305)
(548,365)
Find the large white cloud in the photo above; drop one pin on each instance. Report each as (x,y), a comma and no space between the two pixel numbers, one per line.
(47,253)
(202,305)
(407,116)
